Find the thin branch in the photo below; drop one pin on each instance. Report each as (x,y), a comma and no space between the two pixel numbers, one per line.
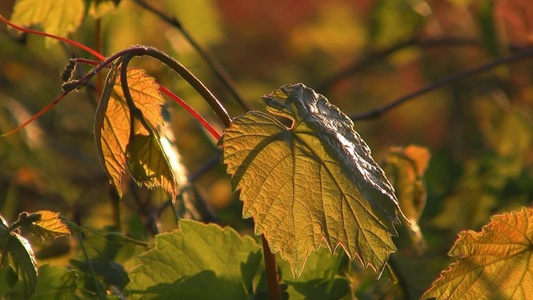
(375,113)
(378,55)
(222,75)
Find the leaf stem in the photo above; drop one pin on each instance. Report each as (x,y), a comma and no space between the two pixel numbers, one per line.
(59,38)
(375,113)
(271,271)
(101,293)
(164,58)
(223,76)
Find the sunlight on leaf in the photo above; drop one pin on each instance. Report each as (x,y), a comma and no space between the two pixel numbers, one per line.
(312,182)
(197,261)
(49,226)
(112,122)
(58,17)
(17,251)
(495,263)
(149,165)
(405,168)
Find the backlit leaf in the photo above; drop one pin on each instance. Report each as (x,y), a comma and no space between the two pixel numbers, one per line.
(197,261)
(22,260)
(112,122)
(405,168)
(48,226)
(58,17)
(17,252)
(311,182)
(495,263)
(149,165)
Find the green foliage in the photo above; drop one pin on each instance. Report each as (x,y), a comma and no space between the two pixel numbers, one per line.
(305,176)
(324,277)
(197,260)
(56,283)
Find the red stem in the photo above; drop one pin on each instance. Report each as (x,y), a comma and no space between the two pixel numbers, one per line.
(164,90)
(37,115)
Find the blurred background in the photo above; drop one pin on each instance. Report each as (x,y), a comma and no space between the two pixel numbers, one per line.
(360,54)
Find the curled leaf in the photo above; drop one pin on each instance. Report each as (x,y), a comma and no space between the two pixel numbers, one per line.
(313,181)
(405,168)
(112,121)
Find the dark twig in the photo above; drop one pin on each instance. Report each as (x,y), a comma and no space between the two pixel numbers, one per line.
(379,55)
(375,113)
(222,75)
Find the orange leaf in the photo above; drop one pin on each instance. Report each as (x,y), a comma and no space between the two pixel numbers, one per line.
(112,124)
(495,263)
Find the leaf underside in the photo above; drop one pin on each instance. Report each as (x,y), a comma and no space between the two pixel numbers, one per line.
(495,263)
(311,182)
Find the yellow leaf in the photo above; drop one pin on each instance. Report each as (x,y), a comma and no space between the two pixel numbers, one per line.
(49,225)
(58,17)
(495,263)
(311,182)
(112,124)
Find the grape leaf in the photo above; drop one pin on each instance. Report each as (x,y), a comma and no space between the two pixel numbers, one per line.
(197,261)
(311,182)
(58,17)
(56,283)
(495,263)
(112,121)
(320,278)
(405,168)
(48,226)
(149,164)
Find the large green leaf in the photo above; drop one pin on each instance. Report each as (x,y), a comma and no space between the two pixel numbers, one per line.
(322,277)
(313,181)
(58,17)
(495,263)
(56,283)
(197,261)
